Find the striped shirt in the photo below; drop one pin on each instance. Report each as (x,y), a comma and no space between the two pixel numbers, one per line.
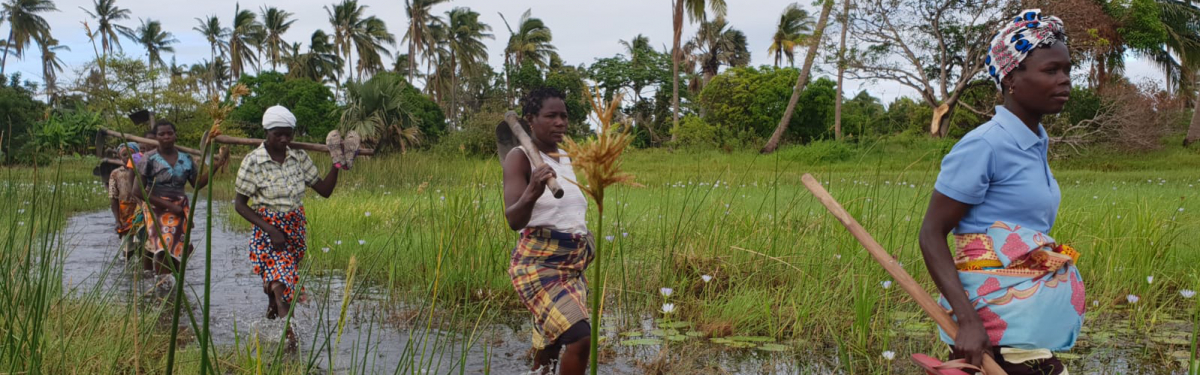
(276,186)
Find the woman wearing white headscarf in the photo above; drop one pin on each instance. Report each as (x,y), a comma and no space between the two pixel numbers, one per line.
(270,186)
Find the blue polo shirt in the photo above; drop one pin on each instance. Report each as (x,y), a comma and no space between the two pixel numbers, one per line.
(1001,170)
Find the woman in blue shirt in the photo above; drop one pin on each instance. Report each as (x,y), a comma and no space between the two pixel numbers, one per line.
(1024,298)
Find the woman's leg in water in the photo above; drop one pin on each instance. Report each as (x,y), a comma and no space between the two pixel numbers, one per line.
(544,358)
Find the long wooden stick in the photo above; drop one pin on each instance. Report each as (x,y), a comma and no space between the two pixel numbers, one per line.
(225,139)
(893,268)
(531,152)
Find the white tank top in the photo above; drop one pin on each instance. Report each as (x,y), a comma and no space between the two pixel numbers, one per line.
(567,214)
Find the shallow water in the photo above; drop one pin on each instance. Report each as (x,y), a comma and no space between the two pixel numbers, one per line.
(373,340)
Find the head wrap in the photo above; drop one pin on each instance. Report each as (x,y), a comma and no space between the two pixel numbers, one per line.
(1017,38)
(132,146)
(278,117)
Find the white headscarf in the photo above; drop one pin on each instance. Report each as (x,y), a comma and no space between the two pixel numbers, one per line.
(278,117)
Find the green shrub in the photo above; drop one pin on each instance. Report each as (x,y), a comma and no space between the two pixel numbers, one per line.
(695,132)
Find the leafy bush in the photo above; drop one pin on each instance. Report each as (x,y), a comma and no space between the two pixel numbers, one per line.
(694,131)
(312,103)
(18,114)
(67,131)
(745,104)
(819,152)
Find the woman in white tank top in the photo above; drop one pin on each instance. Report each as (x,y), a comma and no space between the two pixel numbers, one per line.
(555,247)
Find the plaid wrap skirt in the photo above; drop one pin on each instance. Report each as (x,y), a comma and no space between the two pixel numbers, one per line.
(547,270)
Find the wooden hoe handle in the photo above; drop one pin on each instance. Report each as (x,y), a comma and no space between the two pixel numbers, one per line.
(530,152)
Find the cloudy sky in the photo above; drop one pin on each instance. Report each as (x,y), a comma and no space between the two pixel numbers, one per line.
(583,30)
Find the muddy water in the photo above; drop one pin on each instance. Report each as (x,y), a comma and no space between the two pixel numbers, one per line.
(372,341)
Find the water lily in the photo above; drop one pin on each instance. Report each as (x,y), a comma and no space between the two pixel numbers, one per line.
(624,234)
(886,284)
(1149,279)
(668,308)
(324,249)
(1187,293)
(1181,209)
(338,242)
(608,238)
(362,242)
(889,355)
(666,292)
(706,278)
(837,256)
(367,214)
(1132,299)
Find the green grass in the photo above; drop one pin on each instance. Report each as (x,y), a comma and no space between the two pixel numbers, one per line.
(782,267)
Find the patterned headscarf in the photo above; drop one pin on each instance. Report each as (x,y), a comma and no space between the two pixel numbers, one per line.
(1016,39)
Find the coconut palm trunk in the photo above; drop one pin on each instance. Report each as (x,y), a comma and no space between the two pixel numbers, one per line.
(802,80)
(837,114)
(4,61)
(677,21)
(1193,133)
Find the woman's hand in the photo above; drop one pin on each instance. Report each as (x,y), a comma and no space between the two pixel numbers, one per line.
(972,342)
(278,239)
(539,178)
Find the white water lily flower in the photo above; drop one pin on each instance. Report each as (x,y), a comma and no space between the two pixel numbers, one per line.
(624,234)
(837,256)
(1181,209)
(443,197)
(1187,293)
(367,214)
(666,292)
(362,242)
(668,308)
(889,355)
(706,278)
(21,211)
(1132,299)
(338,242)
(1149,279)
(608,238)
(325,249)
(886,284)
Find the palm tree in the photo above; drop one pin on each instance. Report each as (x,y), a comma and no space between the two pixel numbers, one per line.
(244,36)
(321,63)
(1179,56)
(215,35)
(637,48)
(275,24)
(419,17)
(345,17)
(841,61)
(717,44)
(51,65)
(156,41)
(24,23)
(530,42)
(106,14)
(695,10)
(151,36)
(802,80)
(467,51)
(370,38)
(794,26)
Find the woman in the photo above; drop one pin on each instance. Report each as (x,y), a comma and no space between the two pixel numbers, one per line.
(1024,297)
(165,173)
(124,201)
(555,246)
(276,177)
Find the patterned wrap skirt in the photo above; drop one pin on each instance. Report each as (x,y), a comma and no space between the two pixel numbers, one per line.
(280,264)
(167,229)
(547,270)
(1025,287)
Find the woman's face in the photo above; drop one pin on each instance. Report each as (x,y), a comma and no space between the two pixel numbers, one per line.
(550,124)
(1044,85)
(278,139)
(165,135)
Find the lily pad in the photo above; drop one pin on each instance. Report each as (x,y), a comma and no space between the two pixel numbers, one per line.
(663,332)
(771,347)
(631,334)
(641,342)
(752,338)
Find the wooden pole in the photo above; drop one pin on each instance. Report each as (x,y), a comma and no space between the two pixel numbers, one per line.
(893,268)
(225,139)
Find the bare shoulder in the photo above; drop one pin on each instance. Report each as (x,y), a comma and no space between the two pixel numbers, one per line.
(516,161)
